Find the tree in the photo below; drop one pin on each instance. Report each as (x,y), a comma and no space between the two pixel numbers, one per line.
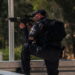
(1,1)
(68,9)
(52,8)
(21,8)
(3,24)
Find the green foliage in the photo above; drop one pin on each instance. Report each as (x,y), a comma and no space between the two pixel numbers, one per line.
(5,53)
(68,9)
(56,6)
(52,8)
(22,7)
(35,58)
(18,52)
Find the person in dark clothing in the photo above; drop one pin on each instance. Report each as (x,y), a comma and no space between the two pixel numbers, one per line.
(41,45)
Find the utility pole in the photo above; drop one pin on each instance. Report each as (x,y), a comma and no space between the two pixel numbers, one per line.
(11,29)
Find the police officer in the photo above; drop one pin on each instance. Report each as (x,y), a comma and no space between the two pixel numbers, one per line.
(39,45)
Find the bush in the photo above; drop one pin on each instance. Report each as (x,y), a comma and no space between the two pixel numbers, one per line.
(5,53)
(17,54)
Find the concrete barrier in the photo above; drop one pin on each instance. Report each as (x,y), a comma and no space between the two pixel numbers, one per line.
(37,65)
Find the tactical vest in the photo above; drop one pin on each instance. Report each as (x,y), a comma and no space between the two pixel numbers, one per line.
(52,32)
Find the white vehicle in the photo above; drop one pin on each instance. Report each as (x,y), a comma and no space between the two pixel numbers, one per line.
(8,73)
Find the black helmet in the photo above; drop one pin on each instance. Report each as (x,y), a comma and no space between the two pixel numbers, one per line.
(42,12)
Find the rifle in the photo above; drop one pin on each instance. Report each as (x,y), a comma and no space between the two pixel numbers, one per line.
(27,20)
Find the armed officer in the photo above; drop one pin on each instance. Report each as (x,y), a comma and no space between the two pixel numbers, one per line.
(39,45)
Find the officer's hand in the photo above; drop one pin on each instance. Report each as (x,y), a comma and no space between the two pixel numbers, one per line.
(22,26)
(31,38)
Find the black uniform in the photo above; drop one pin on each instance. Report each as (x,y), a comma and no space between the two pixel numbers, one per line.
(49,50)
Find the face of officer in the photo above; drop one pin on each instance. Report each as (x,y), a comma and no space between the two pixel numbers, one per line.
(38,16)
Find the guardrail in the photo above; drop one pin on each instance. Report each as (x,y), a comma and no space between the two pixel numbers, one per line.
(37,65)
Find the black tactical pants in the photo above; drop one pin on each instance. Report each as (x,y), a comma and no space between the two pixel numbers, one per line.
(51,63)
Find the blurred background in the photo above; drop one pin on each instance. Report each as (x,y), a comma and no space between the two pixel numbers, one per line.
(63,10)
